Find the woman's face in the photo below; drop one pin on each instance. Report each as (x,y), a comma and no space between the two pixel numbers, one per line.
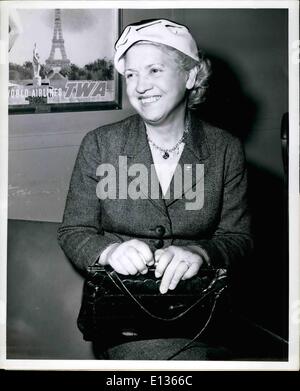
(155,85)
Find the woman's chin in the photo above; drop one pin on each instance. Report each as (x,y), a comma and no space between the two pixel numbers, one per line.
(152,118)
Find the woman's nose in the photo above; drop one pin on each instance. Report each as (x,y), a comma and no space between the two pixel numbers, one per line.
(143,84)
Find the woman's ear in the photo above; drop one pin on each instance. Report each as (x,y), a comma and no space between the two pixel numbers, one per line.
(192,75)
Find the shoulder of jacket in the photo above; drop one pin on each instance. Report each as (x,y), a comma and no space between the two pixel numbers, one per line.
(219,140)
(225,144)
(117,129)
(216,134)
(112,133)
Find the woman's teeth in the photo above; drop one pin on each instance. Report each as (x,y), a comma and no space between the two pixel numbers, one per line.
(151,99)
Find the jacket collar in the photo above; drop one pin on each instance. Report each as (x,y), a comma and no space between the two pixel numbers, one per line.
(136,143)
(196,141)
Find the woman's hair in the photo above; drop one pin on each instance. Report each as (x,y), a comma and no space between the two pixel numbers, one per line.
(197,94)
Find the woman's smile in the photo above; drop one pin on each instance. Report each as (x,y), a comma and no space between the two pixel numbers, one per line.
(146,100)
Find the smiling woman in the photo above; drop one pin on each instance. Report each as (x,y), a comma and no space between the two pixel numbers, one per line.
(165,78)
(182,64)
(156,86)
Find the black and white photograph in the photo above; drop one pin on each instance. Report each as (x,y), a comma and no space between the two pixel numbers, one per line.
(152,186)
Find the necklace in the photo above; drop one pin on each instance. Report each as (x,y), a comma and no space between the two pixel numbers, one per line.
(166,152)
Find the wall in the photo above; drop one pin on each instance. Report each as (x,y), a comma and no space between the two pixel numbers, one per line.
(248,97)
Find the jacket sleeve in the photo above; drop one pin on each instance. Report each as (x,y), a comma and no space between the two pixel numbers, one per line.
(80,234)
(231,242)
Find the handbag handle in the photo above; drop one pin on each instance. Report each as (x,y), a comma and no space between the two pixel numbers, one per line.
(209,290)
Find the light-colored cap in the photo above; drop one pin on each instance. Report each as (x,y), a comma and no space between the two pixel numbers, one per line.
(160,31)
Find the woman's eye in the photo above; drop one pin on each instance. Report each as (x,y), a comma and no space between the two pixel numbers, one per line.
(155,70)
(129,76)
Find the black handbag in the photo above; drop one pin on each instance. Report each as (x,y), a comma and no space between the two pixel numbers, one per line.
(116,308)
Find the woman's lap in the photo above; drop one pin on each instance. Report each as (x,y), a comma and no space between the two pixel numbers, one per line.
(162,349)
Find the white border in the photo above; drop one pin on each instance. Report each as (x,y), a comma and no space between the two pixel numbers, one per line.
(294,212)
(293,361)
(144,4)
(3,175)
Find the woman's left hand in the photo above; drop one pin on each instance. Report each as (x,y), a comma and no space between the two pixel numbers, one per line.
(174,264)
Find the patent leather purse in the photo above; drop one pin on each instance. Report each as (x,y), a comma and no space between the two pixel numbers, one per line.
(116,308)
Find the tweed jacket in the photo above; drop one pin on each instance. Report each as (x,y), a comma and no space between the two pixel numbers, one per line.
(220,224)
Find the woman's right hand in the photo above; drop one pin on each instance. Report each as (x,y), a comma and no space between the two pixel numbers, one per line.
(130,257)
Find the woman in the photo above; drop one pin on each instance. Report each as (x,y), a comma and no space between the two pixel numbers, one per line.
(180,227)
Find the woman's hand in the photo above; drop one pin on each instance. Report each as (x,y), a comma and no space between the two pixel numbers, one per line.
(175,264)
(131,257)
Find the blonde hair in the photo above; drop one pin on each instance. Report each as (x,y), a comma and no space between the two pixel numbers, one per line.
(203,67)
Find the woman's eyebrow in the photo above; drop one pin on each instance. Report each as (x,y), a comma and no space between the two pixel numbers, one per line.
(147,66)
(155,64)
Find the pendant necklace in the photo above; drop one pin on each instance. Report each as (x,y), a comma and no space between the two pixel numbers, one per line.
(166,152)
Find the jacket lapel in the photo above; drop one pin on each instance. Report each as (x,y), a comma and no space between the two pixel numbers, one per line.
(138,152)
(196,151)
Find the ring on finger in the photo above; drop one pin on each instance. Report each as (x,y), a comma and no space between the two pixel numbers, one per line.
(185,262)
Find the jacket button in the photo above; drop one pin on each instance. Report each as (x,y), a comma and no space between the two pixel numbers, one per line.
(160,230)
(158,243)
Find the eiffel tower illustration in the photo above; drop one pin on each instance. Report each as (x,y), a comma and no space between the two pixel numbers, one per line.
(57,43)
